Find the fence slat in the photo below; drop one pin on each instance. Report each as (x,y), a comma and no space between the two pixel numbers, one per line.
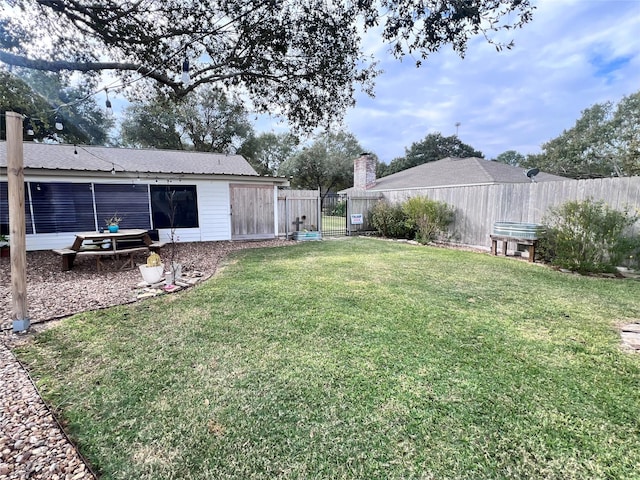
(479,206)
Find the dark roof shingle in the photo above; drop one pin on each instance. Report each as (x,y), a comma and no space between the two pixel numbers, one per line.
(458,172)
(104,159)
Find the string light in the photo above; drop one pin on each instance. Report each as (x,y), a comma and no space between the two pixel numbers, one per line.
(109,109)
(113,164)
(186,78)
(58,124)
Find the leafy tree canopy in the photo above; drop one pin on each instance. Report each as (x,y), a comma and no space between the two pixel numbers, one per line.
(208,121)
(267,151)
(297,58)
(37,95)
(433,147)
(510,157)
(605,141)
(326,164)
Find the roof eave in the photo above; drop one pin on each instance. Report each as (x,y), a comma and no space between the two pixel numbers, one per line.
(149,176)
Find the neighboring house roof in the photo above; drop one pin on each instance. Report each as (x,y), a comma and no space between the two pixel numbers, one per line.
(450,172)
(106,159)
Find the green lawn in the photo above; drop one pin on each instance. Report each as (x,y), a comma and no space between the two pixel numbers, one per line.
(356,358)
(332,223)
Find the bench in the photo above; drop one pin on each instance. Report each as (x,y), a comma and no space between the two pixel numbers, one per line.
(156,246)
(530,243)
(69,255)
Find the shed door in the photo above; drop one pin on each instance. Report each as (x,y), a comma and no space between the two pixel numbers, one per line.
(252,212)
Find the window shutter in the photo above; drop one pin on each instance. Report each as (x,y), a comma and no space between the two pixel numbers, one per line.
(62,207)
(129,201)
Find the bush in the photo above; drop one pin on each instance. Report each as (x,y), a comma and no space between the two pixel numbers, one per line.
(389,220)
(429,219)
(340,209)
(588,236)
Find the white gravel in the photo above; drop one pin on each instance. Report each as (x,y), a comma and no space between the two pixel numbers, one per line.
(32,445)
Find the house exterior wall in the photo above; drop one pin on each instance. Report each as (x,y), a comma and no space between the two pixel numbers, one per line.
(213,213)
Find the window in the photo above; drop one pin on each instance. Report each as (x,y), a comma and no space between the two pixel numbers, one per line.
(129,201)
(177,201)
(4,209)
(62,207)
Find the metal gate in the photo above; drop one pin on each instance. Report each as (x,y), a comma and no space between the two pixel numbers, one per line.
(339,215)
(334,215)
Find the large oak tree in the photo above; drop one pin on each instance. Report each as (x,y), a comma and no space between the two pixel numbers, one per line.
(604,142)
(327,164)
(208,121)
(36,94)
(297,58)
(433,147)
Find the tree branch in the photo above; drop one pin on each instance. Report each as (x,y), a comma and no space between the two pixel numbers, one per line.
(57,65)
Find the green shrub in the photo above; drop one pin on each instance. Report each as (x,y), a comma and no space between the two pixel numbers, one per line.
(340,209)
(389,220)
(430,219)
(589,236)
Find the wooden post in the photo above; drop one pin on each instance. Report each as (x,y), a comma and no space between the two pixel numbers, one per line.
(17,230)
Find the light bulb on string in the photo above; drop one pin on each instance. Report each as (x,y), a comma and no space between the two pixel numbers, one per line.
(58,123)
(186,78)
(109,109)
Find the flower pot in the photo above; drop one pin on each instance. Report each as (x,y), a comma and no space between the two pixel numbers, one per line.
(5,251)
(306,236)
(151,274)
(114,228)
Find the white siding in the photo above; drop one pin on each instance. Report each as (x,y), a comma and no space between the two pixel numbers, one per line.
(213,211)
(213,214)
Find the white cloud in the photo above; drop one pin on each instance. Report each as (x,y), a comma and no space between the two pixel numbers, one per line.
(572,55)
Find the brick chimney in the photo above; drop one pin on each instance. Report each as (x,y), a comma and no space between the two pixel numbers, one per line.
(364,171)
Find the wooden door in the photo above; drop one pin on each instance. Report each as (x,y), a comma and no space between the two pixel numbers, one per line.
(252,211)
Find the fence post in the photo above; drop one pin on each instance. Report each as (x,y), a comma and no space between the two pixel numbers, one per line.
(17,221)
(347,213)
(286,217)
(319,211)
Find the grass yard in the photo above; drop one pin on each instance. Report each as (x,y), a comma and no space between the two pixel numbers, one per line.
(355,359)
(332,223)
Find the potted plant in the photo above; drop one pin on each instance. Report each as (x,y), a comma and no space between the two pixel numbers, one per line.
(113,223)
(4,246)
(152,271)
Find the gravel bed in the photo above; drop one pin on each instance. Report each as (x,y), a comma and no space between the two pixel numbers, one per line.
(52,293)
(32,445)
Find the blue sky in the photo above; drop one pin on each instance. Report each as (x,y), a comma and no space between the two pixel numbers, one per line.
(573,54)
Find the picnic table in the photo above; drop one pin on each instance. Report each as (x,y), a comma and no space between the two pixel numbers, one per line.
(120,245)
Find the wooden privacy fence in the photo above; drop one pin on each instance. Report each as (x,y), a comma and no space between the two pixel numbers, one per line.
(359,205)
(301,209)
(479,206)
(298,210)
